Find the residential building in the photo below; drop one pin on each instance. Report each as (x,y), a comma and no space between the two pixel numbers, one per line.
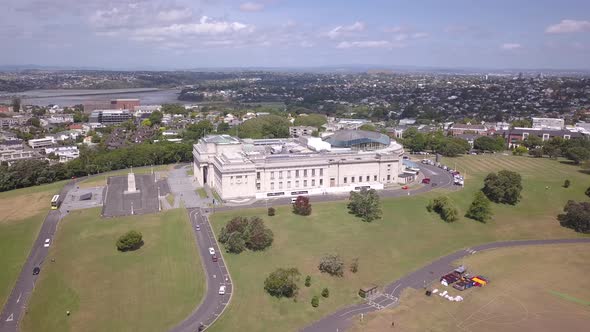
(11,156)
(299,131)
(110,117)
(267,168)
(11,145)
(548,123)
(42,142)
(516,135)
(4,108)
(124,104)
(65,153)
(460,129)
(13,122)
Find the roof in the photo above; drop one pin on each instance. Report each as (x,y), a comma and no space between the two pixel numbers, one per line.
(468,126)
(348,138)
(220,139)
(540,131)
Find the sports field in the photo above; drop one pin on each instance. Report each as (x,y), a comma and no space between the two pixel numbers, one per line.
(151,289)
(531,289)
(22,212)
(406,238)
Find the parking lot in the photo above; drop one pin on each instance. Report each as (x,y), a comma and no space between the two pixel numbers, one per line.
(83,198)
(119,203)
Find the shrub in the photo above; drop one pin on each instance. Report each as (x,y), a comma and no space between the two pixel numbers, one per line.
(242,233)
(332,264)
(480,208)
(503,187)
(131,240)
(443,206)
(271,211)
(302,206)
(307,281)
(587,192)
(325,293)
(354,266)
(282,282)
(576,216)
(566,183)
(365,204)
(315,301)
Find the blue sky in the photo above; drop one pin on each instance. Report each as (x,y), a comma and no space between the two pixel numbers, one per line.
(296,33)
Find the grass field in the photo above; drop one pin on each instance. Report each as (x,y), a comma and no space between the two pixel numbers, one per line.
(101,180)
(406,238)
(531,289)
(202,193)
(22,212)
(151,289)
(170,199)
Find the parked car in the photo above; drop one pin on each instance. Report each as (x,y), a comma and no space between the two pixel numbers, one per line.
(36,270)
(214,258)
(405,187)
(222,290)
(47,241)
(211,251)
(426,180)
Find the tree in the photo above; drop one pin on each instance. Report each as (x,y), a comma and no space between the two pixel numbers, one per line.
(131,240)
(16,102)
(587,192)
(302,206)
(282,282)
(354,265)
(315,301)
(520,150)
(532,142)
(454,147)
(479,209)
(307,281)
(332,264)
(146,123)
(267,126)
(271,211)
(526,123)
(566,183)
(243,232)
(312,120)
(156,117)
(258,237)
(444,208)
(195,131)
(503,187)
(365,204)
(488,143)
(325,293)
(368,127)
(174,109)
(223,127)
(35,122)
(576,216)
(537,153)
(577,154)
(235,243)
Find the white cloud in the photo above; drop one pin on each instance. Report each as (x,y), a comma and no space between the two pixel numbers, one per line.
(367,44)
(206,26)
(511,46)
(174,15)
(568,26)
(251,7)
(343,30)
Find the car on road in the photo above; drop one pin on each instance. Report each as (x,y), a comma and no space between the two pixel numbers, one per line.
(47,241)
(426,180)
(405,187)
(36,270)
(222,290)
(214,258)
(198,227)
(211,251)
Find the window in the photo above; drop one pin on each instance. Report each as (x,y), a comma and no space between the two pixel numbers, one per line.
(375,178)
(545,137)
(288,174)
(272,175)
(297,173)
(304,183)
(524,136)
(388,177)
(352,179)
(313,182)
(304,173)
(280,174)
(280,185)
(272,186)
(368,178)
(297,184)
(288,184)
(257,175)
(567,136)
(231,180)
(313,172)
(321,172)
(345,179)
(321,182)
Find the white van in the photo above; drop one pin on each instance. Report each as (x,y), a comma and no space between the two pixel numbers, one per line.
(293,200)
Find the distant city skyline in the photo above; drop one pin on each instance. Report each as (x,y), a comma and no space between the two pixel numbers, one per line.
(184,34)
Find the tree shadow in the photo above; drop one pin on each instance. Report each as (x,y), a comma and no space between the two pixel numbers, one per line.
(134,248)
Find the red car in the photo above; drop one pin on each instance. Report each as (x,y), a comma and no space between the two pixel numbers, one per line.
(214,258)
(405,187)
(426,180)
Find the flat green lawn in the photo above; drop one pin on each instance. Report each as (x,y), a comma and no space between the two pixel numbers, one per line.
(151,289)
(22,212)
(406,238)
(101,180)
(202,193)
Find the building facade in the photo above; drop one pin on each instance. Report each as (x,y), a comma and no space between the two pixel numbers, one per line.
(298,131)
(109,117)
(548,123)
(124,104)
(238,169)
(42,142)
(515,136)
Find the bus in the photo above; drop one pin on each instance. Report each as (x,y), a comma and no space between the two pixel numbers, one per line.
(55,202)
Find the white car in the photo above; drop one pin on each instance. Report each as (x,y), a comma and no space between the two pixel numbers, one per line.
(222,290)
(212,251)
(46,244)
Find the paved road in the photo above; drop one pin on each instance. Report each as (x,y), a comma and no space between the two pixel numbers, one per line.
(342,319)
(212,304)
(18,300)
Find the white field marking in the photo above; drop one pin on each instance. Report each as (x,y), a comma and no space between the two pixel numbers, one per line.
(214,276)
(393,291)
(19,295)
(10,318)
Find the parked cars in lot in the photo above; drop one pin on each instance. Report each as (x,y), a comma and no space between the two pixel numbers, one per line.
(211,251)
(222,290)
(47,242)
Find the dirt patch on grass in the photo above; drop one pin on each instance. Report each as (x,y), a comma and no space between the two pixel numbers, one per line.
(17,208)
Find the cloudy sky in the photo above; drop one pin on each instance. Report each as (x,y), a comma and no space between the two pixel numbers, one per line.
(174,34)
